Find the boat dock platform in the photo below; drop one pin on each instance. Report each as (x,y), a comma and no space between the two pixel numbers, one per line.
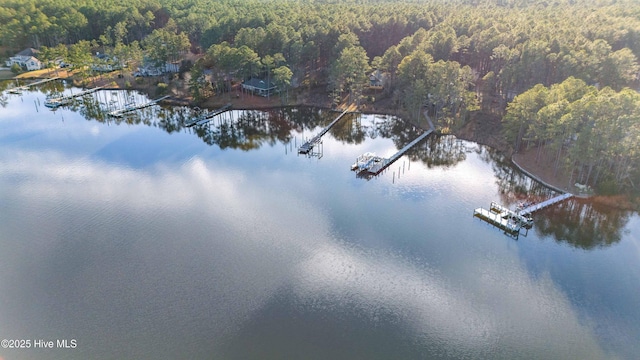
(508,225)
(64,100)
(208,115)
(377,164)
(311,143)
(533,208)
(511,221)
(20,89)
(130,108)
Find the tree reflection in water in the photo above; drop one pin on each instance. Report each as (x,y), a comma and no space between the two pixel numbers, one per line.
(577,222)
(582,224)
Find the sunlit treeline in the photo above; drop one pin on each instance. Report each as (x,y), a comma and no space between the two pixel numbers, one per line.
(449,58)
(510,45)
(592,133)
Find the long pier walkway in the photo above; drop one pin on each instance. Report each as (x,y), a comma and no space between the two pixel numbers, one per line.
(206,117)
(64,100)
(533,208)
(309,145)
(371,165)
(130,108)
(19,89)
(380,164)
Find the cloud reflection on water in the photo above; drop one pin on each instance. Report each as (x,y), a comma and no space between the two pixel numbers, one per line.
(255,237)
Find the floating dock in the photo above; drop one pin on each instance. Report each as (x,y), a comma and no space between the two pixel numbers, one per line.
(206,117)
(65,100)
(377,164)
(311,143)
(130,108)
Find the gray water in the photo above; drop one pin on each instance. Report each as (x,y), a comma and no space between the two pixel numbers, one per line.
(140,239)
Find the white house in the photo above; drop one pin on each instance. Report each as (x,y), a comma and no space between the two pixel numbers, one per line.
(26,59)
(105,63)
(33,64)
(149,68)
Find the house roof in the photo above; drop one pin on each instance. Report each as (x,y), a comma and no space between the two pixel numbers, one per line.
(259,84)
(28,52)
(377,75)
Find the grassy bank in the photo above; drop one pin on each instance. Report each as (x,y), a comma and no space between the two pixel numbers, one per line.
(6,75)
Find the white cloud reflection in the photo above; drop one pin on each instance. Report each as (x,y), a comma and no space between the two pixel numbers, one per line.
(505,310)
(280,240)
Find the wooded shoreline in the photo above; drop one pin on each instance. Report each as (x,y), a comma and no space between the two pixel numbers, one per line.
(560,77)
(529,165)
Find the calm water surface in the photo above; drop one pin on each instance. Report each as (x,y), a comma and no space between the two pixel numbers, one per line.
(141,239)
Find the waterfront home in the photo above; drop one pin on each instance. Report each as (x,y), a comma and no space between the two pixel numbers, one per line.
(259,86)
(376,80)
(149,68)
(26,59)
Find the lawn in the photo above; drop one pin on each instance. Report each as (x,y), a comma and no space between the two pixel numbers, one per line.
(6,75)
(44,73)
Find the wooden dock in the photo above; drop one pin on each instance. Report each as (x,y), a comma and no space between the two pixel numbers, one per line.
(20,89)
(43,81)
(376,166)
(512,221)
(311,143)
(130,108)
(533,208)
(64,100)
(207,116)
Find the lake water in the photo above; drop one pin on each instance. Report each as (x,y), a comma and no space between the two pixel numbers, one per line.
(141,239)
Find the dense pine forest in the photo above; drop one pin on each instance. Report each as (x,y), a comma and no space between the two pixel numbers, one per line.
(563,75)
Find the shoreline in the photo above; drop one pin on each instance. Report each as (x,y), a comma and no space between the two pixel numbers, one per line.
(539,179)
(311,98)
(244,101)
